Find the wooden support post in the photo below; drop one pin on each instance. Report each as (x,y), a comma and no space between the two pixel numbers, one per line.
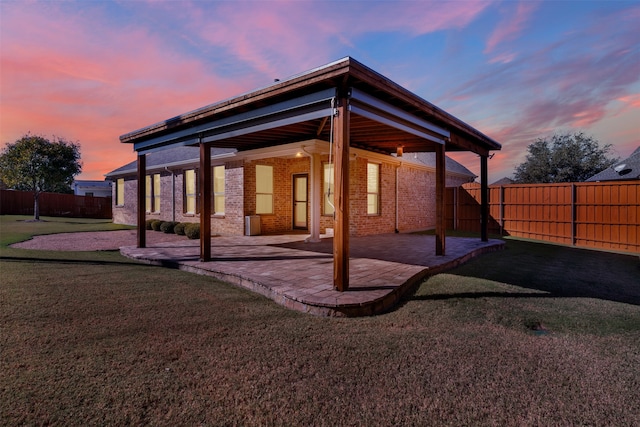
(484,200)
(441,223)
(142,190)
(341,196)
(205,202)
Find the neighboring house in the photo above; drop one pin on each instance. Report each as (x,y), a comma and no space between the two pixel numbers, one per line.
(393,193)
(624,170)
(92,188)
(504,181)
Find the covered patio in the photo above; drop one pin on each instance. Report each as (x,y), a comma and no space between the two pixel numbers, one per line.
(297,275)
(344,103)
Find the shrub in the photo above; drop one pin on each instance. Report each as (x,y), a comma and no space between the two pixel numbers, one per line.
(167,226)
(179,228)
(192,230)
(155,224)
(148,224)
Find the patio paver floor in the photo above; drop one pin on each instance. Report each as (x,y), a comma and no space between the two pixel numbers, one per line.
(299,275)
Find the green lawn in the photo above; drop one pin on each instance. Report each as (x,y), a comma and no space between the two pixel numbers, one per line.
(532,335)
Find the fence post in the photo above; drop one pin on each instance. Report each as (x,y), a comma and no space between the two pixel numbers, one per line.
(484,202)
(573,214)
(501,209)
(455,207)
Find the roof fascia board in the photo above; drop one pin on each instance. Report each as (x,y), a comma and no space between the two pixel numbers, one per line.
(395,113)
(266,123)
(163,146)
(288,108)
(390,122)
(371,77)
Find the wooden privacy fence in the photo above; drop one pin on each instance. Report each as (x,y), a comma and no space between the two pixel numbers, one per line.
(55,204)
(603,215)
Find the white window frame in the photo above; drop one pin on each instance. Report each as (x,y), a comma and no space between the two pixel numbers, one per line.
(153,193)
(190,196)
(373,189)
(218,187)
(120,192)
(264,189)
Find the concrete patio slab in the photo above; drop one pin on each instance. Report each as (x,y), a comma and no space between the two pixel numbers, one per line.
(299,275)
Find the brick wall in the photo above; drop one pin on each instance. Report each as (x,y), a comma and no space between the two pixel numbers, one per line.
(232,223)
(283,170)
(361,223)
(126,214)
(416,198)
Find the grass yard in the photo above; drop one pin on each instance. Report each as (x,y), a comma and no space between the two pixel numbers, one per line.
(533,335)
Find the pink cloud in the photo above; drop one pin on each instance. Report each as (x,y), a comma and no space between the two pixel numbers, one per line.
(70,76)
(280,36)
(419,17)
(509,28)
(503,58)
(631,100)
(580,82)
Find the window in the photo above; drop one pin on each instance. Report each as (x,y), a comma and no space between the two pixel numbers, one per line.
(328,190)
(218,190)
(190,192)
(120,192)
(373,189)
(156,192)
(264,189)
(152,191)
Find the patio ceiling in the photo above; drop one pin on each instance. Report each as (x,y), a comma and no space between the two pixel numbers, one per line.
(383,117)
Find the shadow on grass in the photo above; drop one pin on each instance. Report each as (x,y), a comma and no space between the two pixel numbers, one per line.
(68,261)
(471,295)
(559,271)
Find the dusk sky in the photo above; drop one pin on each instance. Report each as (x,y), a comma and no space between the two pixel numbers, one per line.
(90,71)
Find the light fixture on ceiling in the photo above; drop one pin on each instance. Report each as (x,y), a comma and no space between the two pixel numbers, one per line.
(399,149)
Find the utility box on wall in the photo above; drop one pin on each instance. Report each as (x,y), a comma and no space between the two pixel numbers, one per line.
(252,225)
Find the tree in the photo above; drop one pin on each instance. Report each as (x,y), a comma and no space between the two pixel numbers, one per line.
(33,163)
(565,157)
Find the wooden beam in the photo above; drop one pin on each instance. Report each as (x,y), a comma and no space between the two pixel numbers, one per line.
(484,203)
(441,224)
(464,144)
(205,202)
(142,189)
(341,196)
(321,127)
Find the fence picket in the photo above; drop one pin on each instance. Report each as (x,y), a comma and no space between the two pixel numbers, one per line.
(603,215)
(55,204)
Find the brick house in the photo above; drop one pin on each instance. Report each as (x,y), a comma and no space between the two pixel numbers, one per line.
(405,189)
(329,148)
